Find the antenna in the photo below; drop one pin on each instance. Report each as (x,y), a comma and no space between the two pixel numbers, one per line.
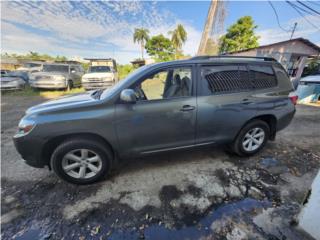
(293,30)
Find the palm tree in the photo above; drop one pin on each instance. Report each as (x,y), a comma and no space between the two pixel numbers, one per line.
(141,36)
(178,38)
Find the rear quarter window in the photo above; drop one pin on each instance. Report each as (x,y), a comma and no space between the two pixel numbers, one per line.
(262,76)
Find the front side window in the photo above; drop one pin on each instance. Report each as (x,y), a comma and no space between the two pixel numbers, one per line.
(165,84)
(224,79)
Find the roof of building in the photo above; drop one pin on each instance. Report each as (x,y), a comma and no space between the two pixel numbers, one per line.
(99,59)
(303,40)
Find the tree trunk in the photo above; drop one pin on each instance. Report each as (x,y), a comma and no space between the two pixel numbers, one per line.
(142,47)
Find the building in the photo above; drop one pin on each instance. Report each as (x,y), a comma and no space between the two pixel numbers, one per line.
(10,64)
(142,62)
(292,54)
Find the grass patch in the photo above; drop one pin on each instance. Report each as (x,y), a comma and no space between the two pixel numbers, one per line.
(28,91)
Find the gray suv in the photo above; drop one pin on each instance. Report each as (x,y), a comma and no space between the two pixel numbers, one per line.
(237,101)
(57,76)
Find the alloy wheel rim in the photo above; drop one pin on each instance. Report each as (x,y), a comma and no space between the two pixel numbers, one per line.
(253,139)
(81,163)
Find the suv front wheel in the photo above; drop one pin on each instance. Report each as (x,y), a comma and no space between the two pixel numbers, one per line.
(81,161)
(252,138)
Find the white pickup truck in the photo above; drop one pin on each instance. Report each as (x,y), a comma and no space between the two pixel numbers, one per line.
(102,73)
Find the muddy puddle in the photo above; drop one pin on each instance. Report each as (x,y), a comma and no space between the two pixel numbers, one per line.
(203,227)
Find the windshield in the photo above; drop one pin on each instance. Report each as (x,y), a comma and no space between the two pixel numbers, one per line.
(55,68)
(94,69)
(30,65)
(122,83)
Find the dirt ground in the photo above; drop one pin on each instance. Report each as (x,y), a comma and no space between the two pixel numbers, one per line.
(198,194)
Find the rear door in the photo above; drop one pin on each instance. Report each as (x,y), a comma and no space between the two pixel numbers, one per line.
(225,102)
(164,117)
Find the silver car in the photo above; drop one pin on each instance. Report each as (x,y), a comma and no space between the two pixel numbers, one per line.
(57,76)
(13,80)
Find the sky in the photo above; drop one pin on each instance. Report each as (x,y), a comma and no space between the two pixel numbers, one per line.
(105,28)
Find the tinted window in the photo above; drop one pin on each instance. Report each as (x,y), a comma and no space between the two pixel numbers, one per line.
(281,74)
(262,76)
(224,79)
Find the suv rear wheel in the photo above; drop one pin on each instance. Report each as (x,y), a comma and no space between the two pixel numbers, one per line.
(252,138)
(81,161)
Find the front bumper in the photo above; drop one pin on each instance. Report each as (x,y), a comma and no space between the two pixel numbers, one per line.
(7,87)
(30,150)
(97,84)
(48,85)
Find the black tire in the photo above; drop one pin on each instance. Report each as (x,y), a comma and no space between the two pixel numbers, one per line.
(237,146)
(99,148)
(69,85)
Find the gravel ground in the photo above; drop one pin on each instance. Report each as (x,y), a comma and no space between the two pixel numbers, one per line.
(198,194)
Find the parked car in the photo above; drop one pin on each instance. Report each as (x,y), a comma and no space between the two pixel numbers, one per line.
(102,73)
(238,101)
(57,76)
(4,72)
(308,90)
(14,80)
(99,77)
(31,67)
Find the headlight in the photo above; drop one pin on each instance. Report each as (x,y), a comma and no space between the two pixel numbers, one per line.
(25,127)
(59,78)
(107,78)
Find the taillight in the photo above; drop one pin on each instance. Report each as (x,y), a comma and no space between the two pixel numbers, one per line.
(294,98)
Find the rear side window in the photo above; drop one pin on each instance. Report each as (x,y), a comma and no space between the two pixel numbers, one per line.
(262,76)
(224,79)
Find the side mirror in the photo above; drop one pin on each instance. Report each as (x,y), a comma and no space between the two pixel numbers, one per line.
(128,96)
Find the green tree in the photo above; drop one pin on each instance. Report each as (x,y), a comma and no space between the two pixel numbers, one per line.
(239,36)
(160,48)
(124,70)
(178,38)
(141,35)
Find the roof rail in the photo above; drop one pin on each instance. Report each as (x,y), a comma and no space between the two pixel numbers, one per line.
(267,59)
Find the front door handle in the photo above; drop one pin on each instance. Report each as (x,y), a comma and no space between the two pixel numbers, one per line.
(187,108)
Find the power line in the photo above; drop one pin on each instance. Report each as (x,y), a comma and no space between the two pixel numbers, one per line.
(277,17)
(305,5)
(315,3)
(297,10)
(303,9)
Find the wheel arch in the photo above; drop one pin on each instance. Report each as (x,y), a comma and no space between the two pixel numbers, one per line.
(53,143)
(270,119)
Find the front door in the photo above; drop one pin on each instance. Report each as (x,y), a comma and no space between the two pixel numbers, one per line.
(164,115)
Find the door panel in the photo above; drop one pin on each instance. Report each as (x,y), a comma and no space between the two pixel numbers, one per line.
(225,102)
(154,125)
(220,117)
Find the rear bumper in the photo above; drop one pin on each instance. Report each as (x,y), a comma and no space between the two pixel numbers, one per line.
(30,150)
(285,120)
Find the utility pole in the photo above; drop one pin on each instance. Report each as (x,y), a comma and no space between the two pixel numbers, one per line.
(208,27)
(293,30)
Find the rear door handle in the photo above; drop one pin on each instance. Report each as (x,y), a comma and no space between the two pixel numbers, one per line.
(187,108)
(246,101)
